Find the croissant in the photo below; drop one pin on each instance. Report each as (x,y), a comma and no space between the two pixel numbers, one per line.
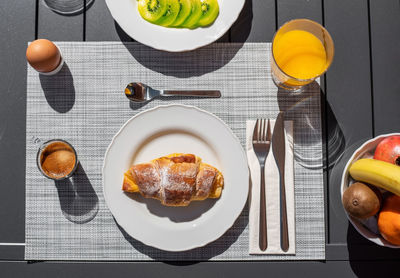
(175,180)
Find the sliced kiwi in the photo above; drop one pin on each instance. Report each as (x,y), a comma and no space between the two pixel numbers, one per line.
(173,8)
(185,11)
(210,11)
(152,10)
(193,19)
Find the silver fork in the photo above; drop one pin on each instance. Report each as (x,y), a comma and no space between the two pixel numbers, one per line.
(261,143)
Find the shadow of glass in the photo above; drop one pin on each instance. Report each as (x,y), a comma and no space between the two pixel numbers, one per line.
(78,200)
(59,90)
(335,142)
(184,64)
(301,109)
(335,180)
(204,253)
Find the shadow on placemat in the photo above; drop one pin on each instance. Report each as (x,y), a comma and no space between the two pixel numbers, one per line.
(59,90)
(78,200)
(196,255)
(183,64)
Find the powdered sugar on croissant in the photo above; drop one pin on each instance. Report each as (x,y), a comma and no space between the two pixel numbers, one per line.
(175,180)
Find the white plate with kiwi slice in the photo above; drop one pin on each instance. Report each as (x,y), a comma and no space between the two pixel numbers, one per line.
(175,25)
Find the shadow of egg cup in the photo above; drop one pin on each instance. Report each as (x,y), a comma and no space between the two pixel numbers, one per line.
(59,90)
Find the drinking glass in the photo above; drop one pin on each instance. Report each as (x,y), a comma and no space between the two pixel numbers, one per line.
(67,7)
(302,50)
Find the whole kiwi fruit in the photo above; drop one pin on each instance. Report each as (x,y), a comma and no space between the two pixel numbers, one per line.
(362,200)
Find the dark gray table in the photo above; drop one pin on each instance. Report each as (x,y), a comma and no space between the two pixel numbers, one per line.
(361,95)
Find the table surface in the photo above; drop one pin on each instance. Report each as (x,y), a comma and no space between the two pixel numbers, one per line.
(360,95)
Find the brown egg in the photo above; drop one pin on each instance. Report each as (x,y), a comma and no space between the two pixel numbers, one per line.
(43,55)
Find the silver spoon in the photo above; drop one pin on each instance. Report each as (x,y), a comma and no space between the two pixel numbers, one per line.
(140,92)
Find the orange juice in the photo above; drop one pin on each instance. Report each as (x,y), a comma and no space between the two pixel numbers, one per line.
(299,54)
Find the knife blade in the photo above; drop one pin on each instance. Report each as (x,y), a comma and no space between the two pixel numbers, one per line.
(279,152)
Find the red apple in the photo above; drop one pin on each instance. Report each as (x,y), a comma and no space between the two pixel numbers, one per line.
(389,150)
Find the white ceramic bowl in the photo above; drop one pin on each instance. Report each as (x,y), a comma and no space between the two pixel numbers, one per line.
(367,228)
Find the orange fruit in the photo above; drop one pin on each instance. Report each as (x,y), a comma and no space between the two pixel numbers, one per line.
(389,219)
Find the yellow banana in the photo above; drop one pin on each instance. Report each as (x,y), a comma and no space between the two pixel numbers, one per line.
(378,173)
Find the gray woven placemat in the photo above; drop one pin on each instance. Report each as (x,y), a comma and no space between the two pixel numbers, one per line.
(84,105)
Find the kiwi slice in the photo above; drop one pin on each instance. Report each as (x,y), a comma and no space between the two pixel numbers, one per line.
(193,19)
(173,8)
(152,10)
(186,10)
(210,11)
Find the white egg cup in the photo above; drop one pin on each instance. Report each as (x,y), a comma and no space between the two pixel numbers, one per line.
(58,68)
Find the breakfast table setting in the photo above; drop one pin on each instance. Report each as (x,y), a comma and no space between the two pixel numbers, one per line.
(200,137)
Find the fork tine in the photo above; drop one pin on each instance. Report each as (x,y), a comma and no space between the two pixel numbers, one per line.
(255,131)
(263,131)
(260,130)
(269,131)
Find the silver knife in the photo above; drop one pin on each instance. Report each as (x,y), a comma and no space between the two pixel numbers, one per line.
(279,151)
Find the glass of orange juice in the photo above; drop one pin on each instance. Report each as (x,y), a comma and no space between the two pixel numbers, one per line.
(302,50)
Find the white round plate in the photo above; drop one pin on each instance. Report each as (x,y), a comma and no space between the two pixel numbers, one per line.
(367,228)
(175,129)
(173,39)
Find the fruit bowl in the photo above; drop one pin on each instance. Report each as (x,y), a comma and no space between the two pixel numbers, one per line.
(367,228)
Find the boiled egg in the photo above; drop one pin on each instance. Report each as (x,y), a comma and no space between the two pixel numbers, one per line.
(43,55)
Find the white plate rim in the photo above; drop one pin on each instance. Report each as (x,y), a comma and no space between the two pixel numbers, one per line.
(242,152)
(345,183)
(179,49)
